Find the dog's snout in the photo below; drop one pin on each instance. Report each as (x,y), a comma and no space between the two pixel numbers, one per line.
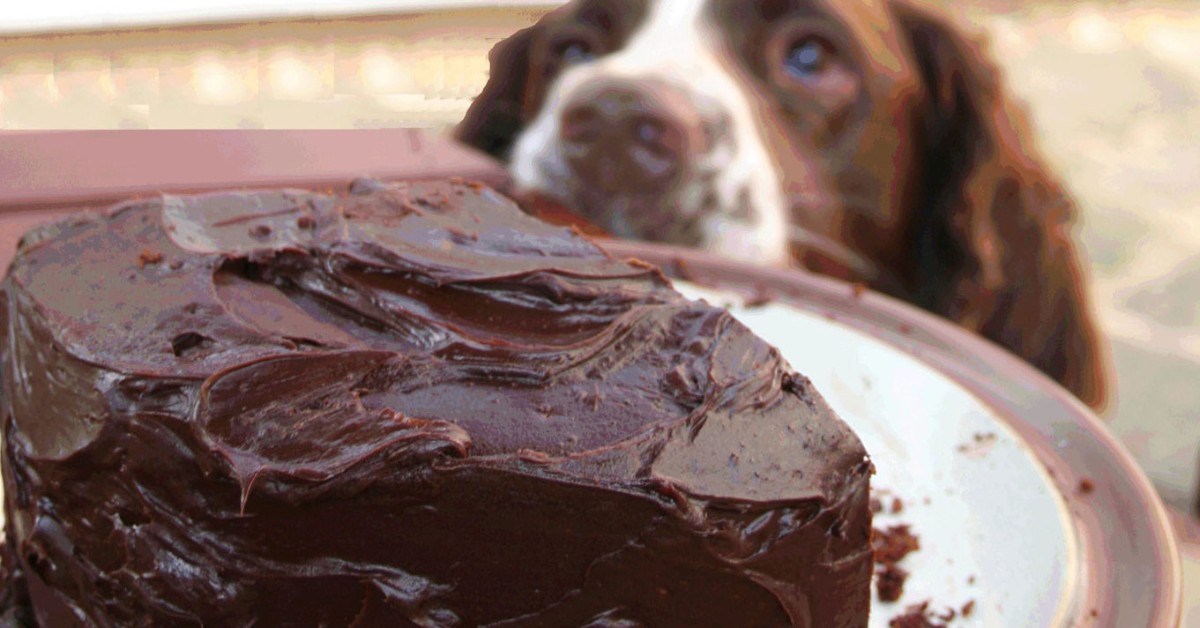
(631,134)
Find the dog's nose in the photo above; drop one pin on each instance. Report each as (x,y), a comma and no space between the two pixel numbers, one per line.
(622,135)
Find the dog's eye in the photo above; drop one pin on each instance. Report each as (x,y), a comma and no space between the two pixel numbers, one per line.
(808,57)
(575,51)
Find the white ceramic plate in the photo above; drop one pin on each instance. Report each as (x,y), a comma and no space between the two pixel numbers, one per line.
(993,527)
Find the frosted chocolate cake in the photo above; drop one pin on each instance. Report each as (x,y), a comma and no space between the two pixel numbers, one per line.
(406,405)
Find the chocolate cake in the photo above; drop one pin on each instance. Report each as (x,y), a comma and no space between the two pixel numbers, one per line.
(406,405)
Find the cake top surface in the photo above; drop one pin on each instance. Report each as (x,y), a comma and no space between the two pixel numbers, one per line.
(303,333)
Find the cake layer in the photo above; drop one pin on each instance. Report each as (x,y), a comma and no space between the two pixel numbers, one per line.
(406,405)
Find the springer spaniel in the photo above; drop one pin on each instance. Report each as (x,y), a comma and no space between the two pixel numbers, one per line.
(865,138)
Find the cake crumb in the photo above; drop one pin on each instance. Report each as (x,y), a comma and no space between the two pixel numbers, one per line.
(981,443)
(1086,486)
(858,289)
(876,505)
(893,544)
(889,582)
(897,506)
(967,608)
(921,616)
(890,547)
(149,257)
(913,617)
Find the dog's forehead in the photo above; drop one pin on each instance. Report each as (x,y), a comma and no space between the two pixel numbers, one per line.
(677,11)
(670,39)
(587,10)
(674,25)
(683,22)
(681,28)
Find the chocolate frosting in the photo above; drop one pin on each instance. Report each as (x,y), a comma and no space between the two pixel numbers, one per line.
(407,405)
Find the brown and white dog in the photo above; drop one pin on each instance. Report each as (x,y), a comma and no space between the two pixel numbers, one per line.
(871,132)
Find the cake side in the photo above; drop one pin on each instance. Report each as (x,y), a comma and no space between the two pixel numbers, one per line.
(408,404)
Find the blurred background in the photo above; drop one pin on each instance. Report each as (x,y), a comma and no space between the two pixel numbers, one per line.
(1113,87)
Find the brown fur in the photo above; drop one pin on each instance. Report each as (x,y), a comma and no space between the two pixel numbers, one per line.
(993,248)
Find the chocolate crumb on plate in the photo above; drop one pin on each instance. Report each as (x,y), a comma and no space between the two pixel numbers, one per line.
(148,257)
(981,443)
(890,547)
(914,617)
(889,581)
(893,544)
(921,616)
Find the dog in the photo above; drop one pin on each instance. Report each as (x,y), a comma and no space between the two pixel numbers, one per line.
(870,139)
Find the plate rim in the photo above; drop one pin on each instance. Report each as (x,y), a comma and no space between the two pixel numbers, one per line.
(1126,579)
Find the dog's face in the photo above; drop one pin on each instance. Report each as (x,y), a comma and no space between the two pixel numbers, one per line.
(725,124)
(869,138)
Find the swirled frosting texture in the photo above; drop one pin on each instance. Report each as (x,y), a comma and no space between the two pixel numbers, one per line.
(406,405)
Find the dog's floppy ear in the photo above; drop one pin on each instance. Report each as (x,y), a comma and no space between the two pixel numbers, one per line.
(993,226)
(496,115)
